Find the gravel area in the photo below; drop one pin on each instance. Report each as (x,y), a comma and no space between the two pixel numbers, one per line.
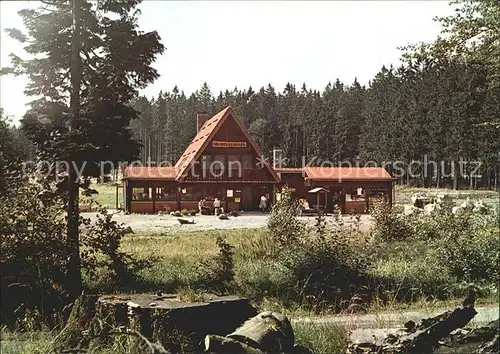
(168,223)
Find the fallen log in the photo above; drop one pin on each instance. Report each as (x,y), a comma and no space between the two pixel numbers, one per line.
(219,344)
(267,332)
(414,338)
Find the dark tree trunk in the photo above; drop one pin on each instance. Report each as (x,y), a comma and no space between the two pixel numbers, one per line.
(74,279)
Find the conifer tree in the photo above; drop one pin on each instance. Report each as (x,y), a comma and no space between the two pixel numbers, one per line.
(92,58)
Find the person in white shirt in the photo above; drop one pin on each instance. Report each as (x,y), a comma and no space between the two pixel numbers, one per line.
(263,203)
(217,206)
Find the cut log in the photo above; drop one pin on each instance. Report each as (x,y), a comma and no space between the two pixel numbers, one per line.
(219,344)
(268,331)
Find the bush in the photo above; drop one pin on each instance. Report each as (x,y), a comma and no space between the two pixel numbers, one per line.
(409,271)
(389,225)
(472,257)
(34,254)
(33,251)
(460,247)
(284,227)
(332,267)
(325,264)
(100,249)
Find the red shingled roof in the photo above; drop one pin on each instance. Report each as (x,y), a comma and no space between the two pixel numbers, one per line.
(205,135)
(347,173)
(200,141)
(149,173)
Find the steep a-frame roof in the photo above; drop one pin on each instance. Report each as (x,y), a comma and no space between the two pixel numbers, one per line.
(203,138)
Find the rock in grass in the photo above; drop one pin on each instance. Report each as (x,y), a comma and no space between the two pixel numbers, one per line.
(184,221)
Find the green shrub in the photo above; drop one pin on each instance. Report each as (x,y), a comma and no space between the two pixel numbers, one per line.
(325,264)
(259,279)
(389,225)
(472,256)
(34,253)
(332,267)
(284,227)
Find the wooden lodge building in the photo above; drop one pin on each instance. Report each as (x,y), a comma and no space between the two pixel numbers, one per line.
(224,162)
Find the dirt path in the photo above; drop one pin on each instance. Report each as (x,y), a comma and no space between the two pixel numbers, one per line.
(395,319)
(167,223)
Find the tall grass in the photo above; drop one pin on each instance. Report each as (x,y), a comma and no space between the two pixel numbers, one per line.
(401,268)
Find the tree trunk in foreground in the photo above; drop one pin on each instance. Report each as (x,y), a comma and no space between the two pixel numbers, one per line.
(74,277)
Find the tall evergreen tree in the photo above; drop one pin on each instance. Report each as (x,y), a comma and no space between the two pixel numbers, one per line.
(109,59)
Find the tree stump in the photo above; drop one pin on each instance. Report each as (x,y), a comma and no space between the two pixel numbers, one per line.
(266,332)
(176,324)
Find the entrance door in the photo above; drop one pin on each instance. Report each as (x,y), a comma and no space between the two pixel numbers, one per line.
(246,198)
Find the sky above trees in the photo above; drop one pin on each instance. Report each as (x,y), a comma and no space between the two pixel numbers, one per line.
(243,44)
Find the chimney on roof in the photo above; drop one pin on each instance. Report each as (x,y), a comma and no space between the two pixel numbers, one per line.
(201,118)
(277,157)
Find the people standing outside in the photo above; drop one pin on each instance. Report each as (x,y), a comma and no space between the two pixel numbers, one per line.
(217,206)
(201,206)
(263,203)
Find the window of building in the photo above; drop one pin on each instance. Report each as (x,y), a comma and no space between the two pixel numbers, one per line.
(168,193)
(234,166)
(248,162)
(218,166)
(142,193)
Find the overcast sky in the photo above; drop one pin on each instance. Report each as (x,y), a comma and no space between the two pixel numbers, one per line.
(253,43)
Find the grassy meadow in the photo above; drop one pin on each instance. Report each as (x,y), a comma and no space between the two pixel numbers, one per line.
(404,271)
(175,258)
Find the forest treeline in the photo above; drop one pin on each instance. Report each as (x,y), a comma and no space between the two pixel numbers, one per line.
(441,104)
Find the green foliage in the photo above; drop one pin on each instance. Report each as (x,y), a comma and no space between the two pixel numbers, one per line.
(321,337)
(328,268)
(285,229)
(464,248)
(472,256)
(101,250)
(389,225)
(324,264)
(408,270)
(34,252)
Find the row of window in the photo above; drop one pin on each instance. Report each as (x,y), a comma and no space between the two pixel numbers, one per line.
(194,193)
